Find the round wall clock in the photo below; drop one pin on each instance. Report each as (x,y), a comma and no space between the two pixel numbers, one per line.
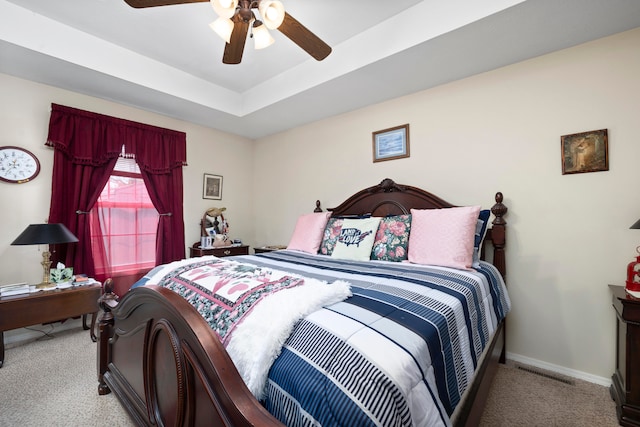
(18,165)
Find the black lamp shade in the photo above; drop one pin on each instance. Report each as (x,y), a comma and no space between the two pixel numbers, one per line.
(636,225)
(39,234)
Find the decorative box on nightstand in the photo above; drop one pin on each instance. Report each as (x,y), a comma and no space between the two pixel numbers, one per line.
(221,251)
(625,387)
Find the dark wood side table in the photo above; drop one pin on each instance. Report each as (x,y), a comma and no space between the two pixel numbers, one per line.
(625,387)
(222,251)
(18,311)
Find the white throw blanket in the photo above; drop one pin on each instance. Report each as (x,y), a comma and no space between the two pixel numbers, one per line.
(258,340)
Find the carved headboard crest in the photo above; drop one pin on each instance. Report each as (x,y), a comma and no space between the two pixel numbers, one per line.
(386,186)
(387,198)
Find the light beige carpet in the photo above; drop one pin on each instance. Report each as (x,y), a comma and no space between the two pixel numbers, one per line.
(521,398)
(53,382)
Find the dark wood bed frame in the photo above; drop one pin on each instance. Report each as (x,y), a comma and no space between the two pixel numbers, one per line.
(167,367)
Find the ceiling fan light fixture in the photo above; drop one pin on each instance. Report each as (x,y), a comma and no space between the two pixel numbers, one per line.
(225,8)
(272,13)
(223,27)
(261,36)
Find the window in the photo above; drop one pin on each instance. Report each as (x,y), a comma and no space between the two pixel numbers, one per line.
(127,223)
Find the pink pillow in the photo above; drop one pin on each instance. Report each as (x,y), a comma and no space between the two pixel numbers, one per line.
(443,237)
(307,235)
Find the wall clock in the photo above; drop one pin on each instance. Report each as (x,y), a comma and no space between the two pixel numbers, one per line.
(18,165)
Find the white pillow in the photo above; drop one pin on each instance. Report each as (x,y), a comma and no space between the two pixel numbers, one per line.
(356,239)
(443,237)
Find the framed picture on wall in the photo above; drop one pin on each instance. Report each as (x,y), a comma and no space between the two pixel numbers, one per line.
(391,144)
(212,187)
(585,152)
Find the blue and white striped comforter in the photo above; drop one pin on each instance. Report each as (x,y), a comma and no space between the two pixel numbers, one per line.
(401,351)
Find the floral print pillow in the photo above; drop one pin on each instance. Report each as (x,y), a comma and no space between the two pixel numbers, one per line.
(392,239)
(331,234)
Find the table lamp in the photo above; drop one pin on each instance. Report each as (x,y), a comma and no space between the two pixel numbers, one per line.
(45,234)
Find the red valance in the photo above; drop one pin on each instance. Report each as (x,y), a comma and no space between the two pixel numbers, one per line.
(86,149)
(93,139)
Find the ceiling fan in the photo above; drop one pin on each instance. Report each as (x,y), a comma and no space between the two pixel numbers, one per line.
(235,18)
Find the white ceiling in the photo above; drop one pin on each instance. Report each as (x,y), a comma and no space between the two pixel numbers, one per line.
(167,60)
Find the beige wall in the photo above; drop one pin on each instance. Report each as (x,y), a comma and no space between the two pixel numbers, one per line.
(24,120)
(568,235)
(500,131)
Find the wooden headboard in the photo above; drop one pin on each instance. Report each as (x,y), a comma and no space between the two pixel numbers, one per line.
(389,198)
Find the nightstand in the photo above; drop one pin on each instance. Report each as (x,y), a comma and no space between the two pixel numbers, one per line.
(220,252)
(625,387)
(269,248)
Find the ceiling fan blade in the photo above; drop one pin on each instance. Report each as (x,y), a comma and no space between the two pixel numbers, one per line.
(233,50)
(300,35)
(153,3)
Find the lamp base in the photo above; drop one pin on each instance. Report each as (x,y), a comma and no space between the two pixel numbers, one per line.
(46,266)
(46,286)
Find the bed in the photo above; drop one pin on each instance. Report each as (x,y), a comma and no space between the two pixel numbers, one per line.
(343,363)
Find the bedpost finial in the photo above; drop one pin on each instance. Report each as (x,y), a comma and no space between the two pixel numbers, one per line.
(108,299)
(499,210)
(318,208)
(108,286)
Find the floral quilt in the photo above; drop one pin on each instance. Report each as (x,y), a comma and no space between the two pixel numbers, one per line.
(224,292)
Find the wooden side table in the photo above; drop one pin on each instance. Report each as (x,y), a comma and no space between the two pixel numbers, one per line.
(625,387)
(18,311)
(221,251)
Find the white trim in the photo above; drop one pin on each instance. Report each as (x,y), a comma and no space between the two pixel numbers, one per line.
(559,369)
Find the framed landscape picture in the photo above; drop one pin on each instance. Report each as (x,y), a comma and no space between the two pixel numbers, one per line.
(585,152)
(391,144)
(212,187)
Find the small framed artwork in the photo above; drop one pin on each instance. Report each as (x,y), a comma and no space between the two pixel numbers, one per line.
(391,144)
(212,187)
(585,152)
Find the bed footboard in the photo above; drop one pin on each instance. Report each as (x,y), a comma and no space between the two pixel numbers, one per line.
(166,366)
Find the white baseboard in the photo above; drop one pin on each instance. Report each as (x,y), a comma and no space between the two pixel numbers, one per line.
(559,369)
(21,336)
